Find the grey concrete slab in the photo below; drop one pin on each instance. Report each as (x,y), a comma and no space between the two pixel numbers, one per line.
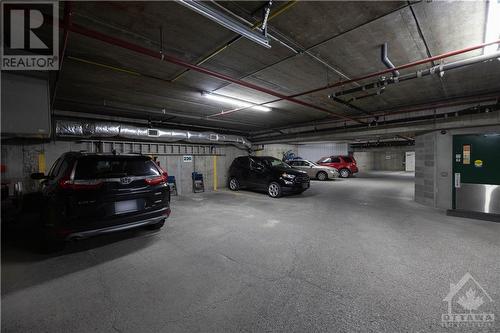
(347,255)
(441,28)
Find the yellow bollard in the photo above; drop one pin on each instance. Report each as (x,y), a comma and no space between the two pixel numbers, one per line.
(215,172)
(41,162)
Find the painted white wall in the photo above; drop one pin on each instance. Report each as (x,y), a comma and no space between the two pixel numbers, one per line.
(315,151)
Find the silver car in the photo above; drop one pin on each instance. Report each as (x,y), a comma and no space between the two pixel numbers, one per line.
(314,170)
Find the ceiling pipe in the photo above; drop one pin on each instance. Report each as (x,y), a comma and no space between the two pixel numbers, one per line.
(467,100)
(400,67)
(105,130)
(156,54)
(386,60)
(438,69)
(147,111)
(70,115)
(164,57)
(379,73)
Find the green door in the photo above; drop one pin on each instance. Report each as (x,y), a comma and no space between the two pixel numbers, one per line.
(476,173)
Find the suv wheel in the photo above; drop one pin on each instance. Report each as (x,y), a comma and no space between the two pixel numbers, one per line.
(344,173)
(274,190)
(322,175)
(233,184)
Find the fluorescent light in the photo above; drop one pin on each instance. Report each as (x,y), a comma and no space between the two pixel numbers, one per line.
(492,26)
(235,101)
(225,21)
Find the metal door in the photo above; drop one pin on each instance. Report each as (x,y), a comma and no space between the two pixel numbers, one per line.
(476,173)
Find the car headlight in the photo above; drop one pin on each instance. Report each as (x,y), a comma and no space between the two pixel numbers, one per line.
(288,176)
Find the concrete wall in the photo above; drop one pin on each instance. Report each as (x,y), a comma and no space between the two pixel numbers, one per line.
(23,159)
(364,160)
(433,165)
(276,150)
(389,160)
(382,159)
(316,151)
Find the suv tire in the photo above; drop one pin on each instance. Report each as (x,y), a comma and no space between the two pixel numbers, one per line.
(234,185)
(274,190)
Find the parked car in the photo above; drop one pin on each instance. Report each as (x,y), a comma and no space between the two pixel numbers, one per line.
(266,173)
(314,170)
(85,195)
(345,164)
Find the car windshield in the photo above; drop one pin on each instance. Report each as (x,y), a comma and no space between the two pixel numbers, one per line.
(95,167)
(274,162)
(312,163)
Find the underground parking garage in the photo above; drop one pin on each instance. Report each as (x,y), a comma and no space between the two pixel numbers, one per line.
(178,166)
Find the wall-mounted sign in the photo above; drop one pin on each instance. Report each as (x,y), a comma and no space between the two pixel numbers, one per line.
(466,154)
(478,163)
(458,158)
(187,158)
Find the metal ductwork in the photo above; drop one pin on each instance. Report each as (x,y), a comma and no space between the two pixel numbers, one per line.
(91,130)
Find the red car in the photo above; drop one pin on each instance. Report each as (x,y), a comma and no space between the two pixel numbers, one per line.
(345,164)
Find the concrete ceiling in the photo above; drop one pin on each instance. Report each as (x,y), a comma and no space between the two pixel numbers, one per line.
(105,79)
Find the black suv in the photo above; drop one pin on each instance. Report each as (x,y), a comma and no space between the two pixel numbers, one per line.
(90,194)
(266,173)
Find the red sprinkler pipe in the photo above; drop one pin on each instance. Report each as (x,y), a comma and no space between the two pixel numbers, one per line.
(379,73)
(408,65)
(156,54)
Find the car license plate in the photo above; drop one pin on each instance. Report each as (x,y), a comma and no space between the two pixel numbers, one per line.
(128,206)
(305,185)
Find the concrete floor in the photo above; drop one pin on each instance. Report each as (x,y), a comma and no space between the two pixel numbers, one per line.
(347,255)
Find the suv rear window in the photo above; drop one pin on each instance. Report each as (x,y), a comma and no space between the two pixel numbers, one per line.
(95,167)
(347,159)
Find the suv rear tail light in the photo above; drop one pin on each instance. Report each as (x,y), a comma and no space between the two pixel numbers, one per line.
(156,180)
(163,172)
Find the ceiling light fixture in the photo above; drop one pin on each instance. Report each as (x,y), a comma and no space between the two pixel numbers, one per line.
(226,21)
(492,26)
(235,101)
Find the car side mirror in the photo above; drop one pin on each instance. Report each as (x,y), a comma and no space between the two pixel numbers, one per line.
(38,175)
